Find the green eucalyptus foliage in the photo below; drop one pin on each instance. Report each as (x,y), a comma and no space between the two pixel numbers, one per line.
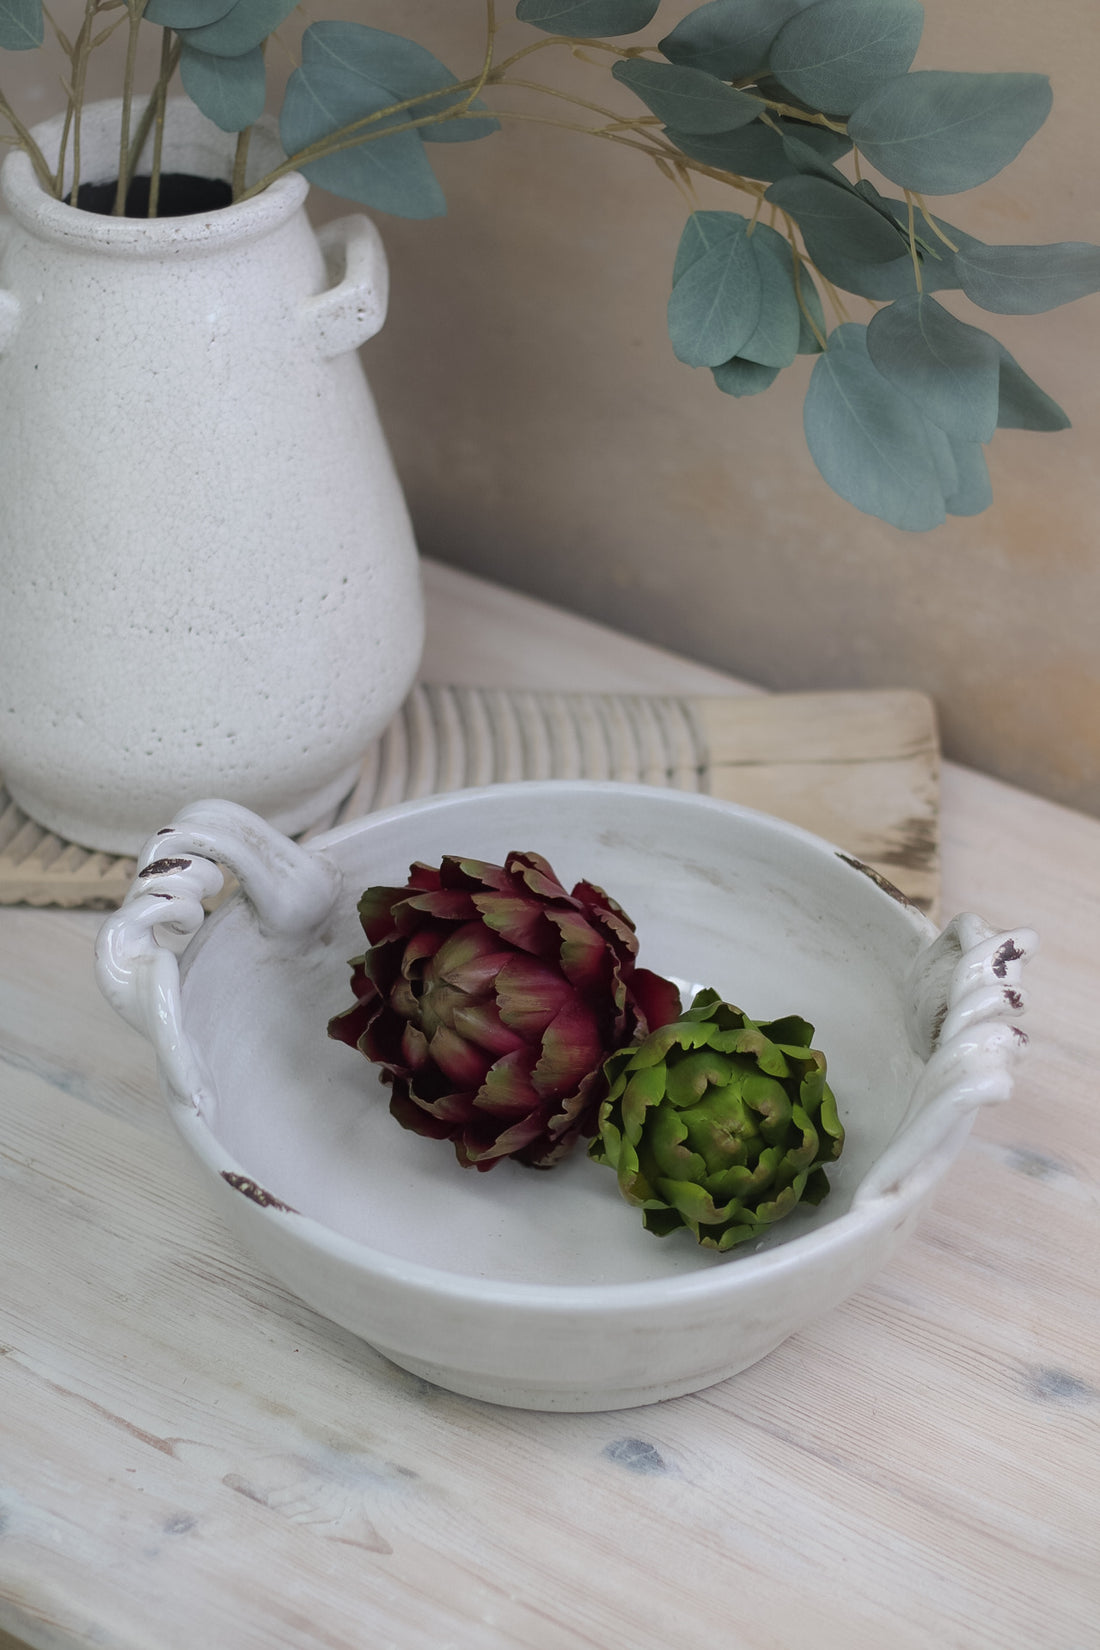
(230,91)
(1021,404)
(715,302)
(1026,280)
(837,52)
(686,98)
(22,25)
(897,412)
(769,95)
(761,151)
(351,73)
(729,38)
(588,18)
(949,370)
(243,28)
(869,440)
(186,14)
(943,132)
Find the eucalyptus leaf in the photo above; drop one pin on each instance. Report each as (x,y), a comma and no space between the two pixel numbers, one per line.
(948,369)
(186,14)
(836,222)
(943,457)
(758,151)
(404,68)
(588,18)
(881,282)
(1022,404)
(689,99)
(390,172)
(939,271)
(868,440)
(701,232)
(1027,280)
(22,25)
(183,15)
(940,132)
(973,492)
(243,28)
(739,377)
(715,302)
(835,53)
(808,159)
(775,338)
(230,91)
(729,38)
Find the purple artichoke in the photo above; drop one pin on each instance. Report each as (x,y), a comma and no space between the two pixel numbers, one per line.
(491,998)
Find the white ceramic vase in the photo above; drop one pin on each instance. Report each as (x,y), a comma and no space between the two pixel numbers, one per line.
(208,580)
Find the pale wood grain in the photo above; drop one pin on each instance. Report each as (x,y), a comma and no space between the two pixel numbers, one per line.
(860,769)
(190,1460)
(857,768)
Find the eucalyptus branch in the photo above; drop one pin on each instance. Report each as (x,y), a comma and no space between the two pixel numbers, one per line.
(78,59)
(748,185)
(679,178)
(490,42)
(612,115)
(358,131)
(830,290)
(159,98)
(806,117)
(159,94)
(240,162)
(80,75)
(58,33)
(565,40)
(106,33)
(135,9)
(27,143)
(933,225)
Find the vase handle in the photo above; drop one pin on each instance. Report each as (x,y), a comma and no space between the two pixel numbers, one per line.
(10,307)
(352,311)
(291,890)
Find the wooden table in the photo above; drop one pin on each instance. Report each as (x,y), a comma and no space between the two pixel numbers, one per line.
(190,1458)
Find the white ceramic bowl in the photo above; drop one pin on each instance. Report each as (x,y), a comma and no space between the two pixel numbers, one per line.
(542,1290)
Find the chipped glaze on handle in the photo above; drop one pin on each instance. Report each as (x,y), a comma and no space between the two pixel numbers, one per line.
(964,994)
(291,890)
(348,314)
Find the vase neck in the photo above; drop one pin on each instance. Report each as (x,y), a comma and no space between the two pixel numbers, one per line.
(192,146)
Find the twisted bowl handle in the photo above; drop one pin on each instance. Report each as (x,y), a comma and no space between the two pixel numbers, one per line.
(292,891)
(964,995)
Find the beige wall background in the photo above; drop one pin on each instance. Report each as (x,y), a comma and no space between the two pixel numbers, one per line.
(548,438)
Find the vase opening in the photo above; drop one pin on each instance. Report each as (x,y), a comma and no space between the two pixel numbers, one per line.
(181,195)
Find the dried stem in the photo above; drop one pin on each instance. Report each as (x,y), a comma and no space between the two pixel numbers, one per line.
(124,170)
(27,143)
(159,99)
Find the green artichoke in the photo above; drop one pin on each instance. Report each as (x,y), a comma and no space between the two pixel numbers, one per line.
(718,1123)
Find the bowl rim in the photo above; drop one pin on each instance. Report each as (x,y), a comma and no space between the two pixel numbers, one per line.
(739,1270)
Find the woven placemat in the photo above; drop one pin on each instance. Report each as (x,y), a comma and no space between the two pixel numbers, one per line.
(860,769)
